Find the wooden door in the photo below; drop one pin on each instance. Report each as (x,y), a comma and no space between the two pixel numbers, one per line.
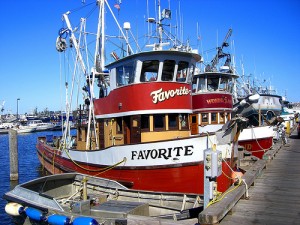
(135,129)
(194,123)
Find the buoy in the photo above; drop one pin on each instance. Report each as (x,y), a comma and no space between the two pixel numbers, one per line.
(34,214)
(84,221)
(58,220)
(14,209)
(235,175)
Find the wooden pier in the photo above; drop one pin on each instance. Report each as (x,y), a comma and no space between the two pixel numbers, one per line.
(273,194)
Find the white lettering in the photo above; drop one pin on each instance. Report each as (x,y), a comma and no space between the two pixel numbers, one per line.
(163,153)
(160,95)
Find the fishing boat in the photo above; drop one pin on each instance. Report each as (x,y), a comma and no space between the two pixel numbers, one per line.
(212,94)
(136,130)
(268,105)
(257,137)
(215,104)
(73,198)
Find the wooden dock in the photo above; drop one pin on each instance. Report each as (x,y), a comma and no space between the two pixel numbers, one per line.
(270,193)
(273,194)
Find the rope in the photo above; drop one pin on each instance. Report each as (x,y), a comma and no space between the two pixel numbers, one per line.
(219,198)
(211,142)
(98,170)
(261,148)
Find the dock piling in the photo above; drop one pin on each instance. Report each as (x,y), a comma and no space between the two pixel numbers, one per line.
(13,155)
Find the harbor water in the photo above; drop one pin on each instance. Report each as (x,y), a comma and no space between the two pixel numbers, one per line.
(29,166)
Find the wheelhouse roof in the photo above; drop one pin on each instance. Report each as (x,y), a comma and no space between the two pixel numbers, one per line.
(216,74)
(172,53)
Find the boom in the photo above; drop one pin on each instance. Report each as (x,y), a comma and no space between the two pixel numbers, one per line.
(220,54)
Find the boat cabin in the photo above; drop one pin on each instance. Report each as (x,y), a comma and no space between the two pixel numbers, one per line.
(149,99)
(212,96)
(214,82)
(154,66)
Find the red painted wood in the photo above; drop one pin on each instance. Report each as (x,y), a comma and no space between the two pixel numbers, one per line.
(142,97)
(258,147)
(206,101)
(182,178)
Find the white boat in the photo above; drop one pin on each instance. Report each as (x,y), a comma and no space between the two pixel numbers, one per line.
(40,125)
(6,125)
(24,129)
(74,198)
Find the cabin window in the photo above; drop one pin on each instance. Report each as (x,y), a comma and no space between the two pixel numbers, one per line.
(149,70)
(212,84)
(135,122)
(194,85)
(191,73)
(173,121)
(182,71)
(222,117)
(214,118)
(183,119)
(204,117)
(223,84)
(228,116)
(194,119)
(119,125)
(168,70)
(145,124)
(201,84)
(230,86)
(125,74)
(159,122)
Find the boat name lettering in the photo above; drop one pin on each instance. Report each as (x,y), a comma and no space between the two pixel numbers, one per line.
(160,95)
(218,100)
(165,153)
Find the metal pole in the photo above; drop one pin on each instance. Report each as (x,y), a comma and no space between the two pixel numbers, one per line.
(18,108)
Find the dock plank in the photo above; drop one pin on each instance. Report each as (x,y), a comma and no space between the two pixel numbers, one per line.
(274,197)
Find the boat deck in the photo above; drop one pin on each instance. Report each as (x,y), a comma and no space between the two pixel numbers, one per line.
(273,197)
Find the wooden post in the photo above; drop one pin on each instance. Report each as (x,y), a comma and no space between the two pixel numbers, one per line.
(13,155)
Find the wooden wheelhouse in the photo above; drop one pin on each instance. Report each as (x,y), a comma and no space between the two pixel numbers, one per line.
(148,99)
(212,101)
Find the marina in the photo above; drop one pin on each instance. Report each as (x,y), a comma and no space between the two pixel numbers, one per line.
(151,131)
(271,186)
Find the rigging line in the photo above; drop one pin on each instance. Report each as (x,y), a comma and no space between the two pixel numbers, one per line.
(81,7)
(88,14)
(102,170)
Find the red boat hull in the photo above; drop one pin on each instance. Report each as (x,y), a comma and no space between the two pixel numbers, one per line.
(184,178)
(257,147)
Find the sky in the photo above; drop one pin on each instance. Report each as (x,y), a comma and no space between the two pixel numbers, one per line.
(265,40)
